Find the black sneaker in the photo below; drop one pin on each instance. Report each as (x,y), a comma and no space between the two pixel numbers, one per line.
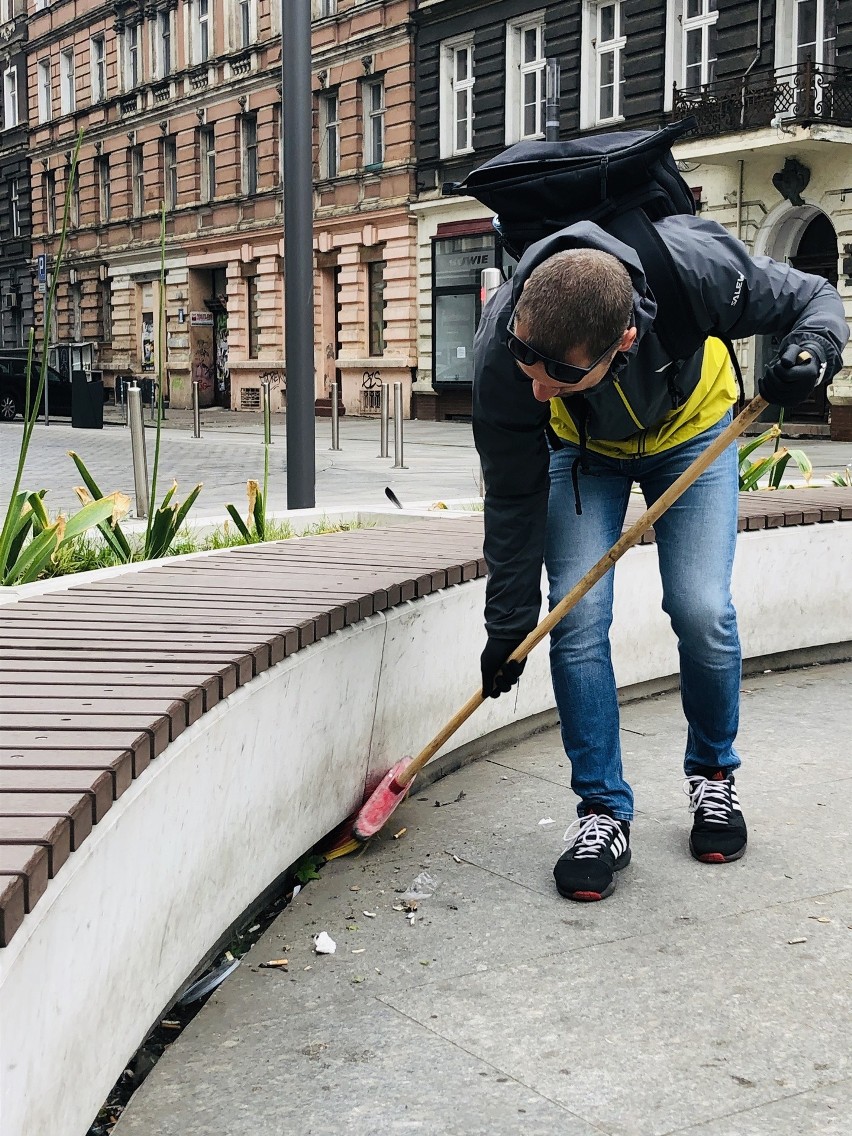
(719,832)
(599,846)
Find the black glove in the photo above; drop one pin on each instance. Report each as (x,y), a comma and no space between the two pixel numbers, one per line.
(789,379)
(498,676)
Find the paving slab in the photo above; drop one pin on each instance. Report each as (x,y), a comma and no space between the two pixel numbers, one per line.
(683,1004)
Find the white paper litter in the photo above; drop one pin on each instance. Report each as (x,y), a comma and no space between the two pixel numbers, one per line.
(296,890)
(545,821)
(421,887)
(324,944)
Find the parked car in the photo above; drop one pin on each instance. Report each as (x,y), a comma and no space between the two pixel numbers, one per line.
(13,387)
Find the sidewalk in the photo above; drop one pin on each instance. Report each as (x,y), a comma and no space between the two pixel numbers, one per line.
(707,1000)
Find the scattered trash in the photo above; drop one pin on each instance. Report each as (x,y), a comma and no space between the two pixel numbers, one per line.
(324,944)
(351,926)
(296,890)
(309,968)
(401,832)
(546,821)
(358,950)
(358,978)
(354,887)
(369,914)
(455,801)
(398,907)
(794,942)
(411,917)
(274,964)
(209,981)
(454,856)
(166,1024)
(424,962)
(820,918)
(254,928)
(421,887)
(409,905)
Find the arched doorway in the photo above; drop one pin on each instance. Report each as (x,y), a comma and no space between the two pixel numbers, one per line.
(805,237)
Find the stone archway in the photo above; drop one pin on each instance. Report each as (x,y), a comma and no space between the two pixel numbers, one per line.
(805,238)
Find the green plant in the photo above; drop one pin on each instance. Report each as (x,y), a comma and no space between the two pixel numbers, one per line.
(257,497)
(773,465)
(844,478)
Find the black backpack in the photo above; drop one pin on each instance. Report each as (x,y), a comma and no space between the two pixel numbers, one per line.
(621,181)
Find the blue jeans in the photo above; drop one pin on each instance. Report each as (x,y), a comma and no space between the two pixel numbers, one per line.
(695,541)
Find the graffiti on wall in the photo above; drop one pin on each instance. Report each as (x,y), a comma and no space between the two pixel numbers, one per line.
(223,370)
(202,364)
(274,378)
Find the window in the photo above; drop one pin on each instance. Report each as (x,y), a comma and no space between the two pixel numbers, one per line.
(7,11)
(525,86)
(456,98)
(67,99)
(76,297)
(98,63)
(609,72)
(815,31)
(201,31)
(137,180)
(164,43)
(329,155)
(74,210)
(374,123)
(699,43)
(49,190)
(248,131)
(104,193)
(376,306)
(253,317)
(244,19)
(170,172)
(323,8)
(10,97)
(208,163)
(131,57)
(14,208)
(105,304)
(45,94)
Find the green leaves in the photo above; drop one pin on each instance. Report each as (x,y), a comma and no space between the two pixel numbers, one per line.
(24,561)
(253,528)
(773,466)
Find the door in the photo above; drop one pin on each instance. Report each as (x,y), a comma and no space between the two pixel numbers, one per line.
(816,254)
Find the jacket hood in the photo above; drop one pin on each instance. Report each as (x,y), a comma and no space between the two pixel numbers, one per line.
(585,234)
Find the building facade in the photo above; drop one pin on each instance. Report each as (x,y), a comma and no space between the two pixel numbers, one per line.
(365,234)
(16,278)
(769,83)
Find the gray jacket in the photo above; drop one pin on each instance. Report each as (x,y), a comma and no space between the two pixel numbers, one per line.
(731,294)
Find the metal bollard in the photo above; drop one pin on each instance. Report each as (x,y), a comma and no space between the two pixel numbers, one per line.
(267,414)
(385,429)
(137,446)
(196,409)
(335,419)
(397,427)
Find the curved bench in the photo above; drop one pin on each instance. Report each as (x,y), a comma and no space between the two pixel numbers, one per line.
(173,740)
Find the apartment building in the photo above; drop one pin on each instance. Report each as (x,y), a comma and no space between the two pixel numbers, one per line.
(769,82)
(178,106)
(365,234)
(16,281)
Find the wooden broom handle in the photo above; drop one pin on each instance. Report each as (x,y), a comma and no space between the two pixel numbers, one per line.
(627,540)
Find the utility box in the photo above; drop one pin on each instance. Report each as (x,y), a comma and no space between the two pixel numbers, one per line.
(87,400)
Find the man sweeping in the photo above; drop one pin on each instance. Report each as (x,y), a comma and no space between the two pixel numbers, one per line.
(576,399)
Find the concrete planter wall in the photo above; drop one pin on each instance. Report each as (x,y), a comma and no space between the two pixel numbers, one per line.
(249,788)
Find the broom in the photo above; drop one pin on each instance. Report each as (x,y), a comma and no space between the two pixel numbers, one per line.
(392,789)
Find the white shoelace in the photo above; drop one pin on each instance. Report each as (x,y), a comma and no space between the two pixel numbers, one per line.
(590,834)
(716,798)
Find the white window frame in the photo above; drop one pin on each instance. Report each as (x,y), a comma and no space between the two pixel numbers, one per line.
(250,154)
(207,154)
(7,11)
(322,9)
(14,208)
(245,27)
(171,182)
(677,25)
(45,90)
(67,91)
(97,54)
(10,97)
(163,66)
(329,128)
(132,44)
(137,181)
(201,35)
(787,35)
(104,189)
(450,87)
(374,123)
(591,51)
(516,71)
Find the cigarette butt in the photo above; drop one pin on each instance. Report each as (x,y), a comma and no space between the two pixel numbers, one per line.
(401,832)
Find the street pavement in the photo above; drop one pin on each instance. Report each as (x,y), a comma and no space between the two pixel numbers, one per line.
(699,1000)
(440,460)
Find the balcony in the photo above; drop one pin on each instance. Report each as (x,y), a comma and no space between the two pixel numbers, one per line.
(807,94)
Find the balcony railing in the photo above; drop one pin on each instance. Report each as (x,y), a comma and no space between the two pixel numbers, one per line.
(807,93)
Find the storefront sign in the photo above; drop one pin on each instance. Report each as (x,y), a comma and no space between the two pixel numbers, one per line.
(201,319)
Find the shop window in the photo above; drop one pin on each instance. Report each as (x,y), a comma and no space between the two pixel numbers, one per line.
(253,317)
(376,305)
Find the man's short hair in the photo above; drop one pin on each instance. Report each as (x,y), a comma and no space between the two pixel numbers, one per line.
(579,298)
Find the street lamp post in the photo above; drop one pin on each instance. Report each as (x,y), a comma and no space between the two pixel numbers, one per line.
(298,251)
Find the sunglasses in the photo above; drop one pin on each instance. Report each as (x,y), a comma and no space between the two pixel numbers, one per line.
(554,369)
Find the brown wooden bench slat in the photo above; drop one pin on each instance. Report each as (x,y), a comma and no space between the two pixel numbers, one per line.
(91,741)
(95,784)
(98,699)
(28,863)
(13,904)
(157,660)
(162,721)
(53,833)
(117,764)
(213,687)
(75,807)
